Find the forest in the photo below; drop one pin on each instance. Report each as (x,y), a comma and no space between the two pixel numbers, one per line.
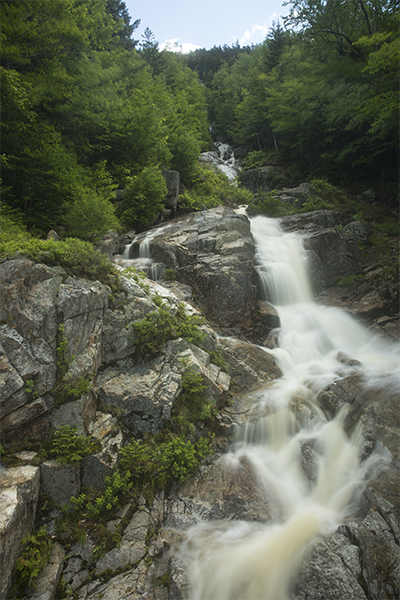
(87,109)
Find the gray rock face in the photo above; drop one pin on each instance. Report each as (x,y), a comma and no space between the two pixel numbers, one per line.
(146,392)
(331,243)
(19,492)
(213,252)
(264,179)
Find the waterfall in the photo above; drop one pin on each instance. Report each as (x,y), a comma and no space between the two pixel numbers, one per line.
(143,262)
(239,560)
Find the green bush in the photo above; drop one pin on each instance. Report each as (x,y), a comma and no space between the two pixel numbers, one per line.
(69,447)
(254,160)
(349,280)
(210,188)
(99,504)
(77,257)
(154,464)
(143,198)
(192,404)
(90,216)
(269,204)
(159,326)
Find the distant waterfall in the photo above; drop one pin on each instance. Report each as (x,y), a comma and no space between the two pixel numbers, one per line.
(240,560)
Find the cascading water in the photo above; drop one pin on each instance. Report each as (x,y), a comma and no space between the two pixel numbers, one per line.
(144,261)
(239,560)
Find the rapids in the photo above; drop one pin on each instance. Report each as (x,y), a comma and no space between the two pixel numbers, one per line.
(239,560)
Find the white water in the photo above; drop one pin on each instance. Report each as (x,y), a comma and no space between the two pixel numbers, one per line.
(144,261)
(240,560)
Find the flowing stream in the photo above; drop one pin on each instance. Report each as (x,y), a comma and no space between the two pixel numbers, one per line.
(239,560)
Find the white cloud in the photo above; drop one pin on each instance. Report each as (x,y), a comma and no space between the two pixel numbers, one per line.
(174,46)
(257,33)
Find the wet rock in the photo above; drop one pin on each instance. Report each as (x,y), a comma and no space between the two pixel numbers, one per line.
(331,572)
(340,392)
(225,491)
(249,365)
(380,553)
(19,492)
(263,179)
(309,459)
(109,244)
(316,220)
(213,252)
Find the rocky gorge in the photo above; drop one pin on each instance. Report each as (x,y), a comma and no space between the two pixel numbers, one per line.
(208,266)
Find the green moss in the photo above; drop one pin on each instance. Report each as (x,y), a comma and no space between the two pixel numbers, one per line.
(349,280)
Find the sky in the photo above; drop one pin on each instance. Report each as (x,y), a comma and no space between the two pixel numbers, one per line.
(184,25)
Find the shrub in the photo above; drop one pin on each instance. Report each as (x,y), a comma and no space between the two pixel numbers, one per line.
(154,464)
(143,198)
(69,447)
(254,160)
(77,257)
(192,404)
(212,188)
(90,216)
(159,326)
(269,204)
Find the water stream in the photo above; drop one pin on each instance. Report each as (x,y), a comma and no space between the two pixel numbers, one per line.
(239,560)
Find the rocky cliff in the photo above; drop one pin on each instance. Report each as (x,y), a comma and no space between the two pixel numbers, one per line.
(71,354)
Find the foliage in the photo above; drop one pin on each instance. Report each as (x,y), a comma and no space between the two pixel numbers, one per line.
(77,257)
(192,404)
(83,114)
(210,188)
(349,280)
(92,506)
(69,447)
(159,326)
(270,205)
(34,558)
(153,465)
(170,275)
(254,160)
(143,198)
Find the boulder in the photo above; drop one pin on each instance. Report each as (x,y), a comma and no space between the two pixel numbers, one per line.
(248,365)
(109,244)
(213,252)
(60,481)
(263,179)
(95,467)
(19,493)
(172,179)
(79,413)
(224,491)
(28,334)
